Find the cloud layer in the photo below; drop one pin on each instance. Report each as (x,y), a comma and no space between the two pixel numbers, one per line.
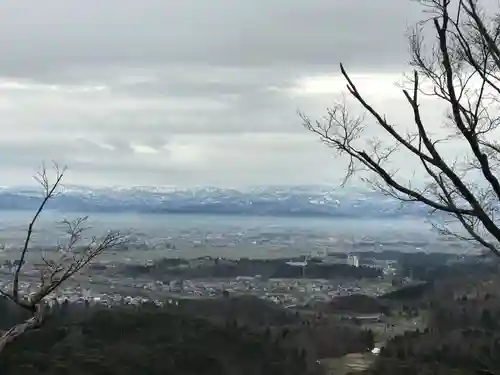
(188,92)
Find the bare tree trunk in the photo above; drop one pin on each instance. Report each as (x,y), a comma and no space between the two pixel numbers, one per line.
(13,333)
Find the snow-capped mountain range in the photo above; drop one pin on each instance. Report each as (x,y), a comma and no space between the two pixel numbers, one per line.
(320,201)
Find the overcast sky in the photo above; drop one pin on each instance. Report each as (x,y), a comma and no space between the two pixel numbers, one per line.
(189,92)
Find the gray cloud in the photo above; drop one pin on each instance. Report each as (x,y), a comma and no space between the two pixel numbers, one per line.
(43,38)
(188,92)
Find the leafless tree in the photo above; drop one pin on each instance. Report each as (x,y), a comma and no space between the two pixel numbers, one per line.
(460,69)
(57,266)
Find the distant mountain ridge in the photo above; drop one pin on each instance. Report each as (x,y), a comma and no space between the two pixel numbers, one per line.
(319,201)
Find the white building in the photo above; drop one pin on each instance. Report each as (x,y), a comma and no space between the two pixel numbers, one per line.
(353,260)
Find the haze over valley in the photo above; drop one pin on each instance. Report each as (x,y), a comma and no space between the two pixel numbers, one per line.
(257,222)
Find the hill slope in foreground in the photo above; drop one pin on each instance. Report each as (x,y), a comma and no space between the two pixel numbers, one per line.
(147,342)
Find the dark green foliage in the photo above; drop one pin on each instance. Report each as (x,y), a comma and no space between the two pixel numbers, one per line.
(463,337)
(228,335)
(357,303)
(370,340)
(410,292)
(147,341)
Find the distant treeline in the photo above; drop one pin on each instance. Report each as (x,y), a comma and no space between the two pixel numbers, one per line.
(266,268)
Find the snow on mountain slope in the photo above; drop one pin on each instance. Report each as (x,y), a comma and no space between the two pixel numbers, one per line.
(260,200)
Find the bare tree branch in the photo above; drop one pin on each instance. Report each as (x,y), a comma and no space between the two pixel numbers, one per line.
(49,191)
(460,69)
(69,258)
